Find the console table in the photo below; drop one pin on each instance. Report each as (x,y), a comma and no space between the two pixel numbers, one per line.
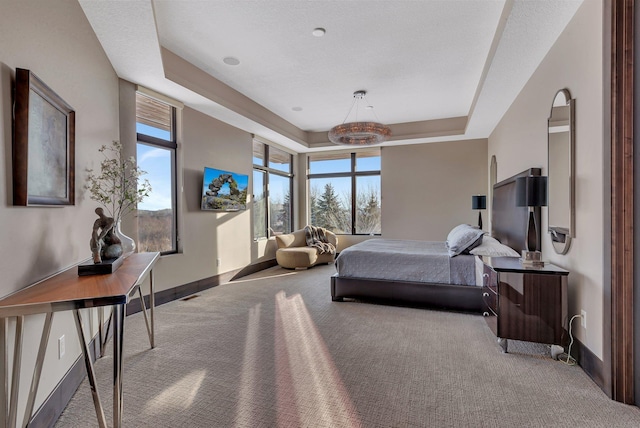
(525,303)
(66,291)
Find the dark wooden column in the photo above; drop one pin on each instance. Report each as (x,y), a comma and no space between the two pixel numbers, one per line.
(622,251)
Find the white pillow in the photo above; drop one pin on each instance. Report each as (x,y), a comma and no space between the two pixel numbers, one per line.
(491,247)
(457,230)
(463,239)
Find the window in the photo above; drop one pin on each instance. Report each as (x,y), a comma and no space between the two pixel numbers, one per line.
(272,190)
(344,192)
(259,204)
(156,154)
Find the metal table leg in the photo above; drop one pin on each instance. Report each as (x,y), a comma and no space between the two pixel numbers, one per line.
(152,304)
(100,322)
(103,345)
(102,422)
(15,377)
(4,375)
(118,336)
(100,328)
(37,371)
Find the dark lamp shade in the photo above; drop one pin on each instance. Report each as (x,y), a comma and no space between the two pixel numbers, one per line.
(531,191)
(479,202)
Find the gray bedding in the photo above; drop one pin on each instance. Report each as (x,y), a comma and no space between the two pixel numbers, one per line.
(404,260)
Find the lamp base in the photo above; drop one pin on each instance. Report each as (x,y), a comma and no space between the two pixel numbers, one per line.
(531,259)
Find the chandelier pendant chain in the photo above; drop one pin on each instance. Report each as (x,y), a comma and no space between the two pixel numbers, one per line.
(369,106)
(359,133)
(357,107)
(355,101)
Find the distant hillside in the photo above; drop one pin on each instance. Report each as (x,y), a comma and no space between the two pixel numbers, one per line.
(158,213)
(154,230)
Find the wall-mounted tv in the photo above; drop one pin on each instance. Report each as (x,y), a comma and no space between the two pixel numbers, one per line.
(224,190)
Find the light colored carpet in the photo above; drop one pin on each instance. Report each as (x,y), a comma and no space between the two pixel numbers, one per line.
(273,350)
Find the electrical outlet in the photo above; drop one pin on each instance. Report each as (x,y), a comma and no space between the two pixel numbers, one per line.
(218,262)
(583,318)
(61,347)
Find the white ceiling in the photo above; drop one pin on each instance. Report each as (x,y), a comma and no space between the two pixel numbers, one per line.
(433,70)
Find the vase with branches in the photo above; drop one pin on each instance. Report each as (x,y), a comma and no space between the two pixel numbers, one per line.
(118,187)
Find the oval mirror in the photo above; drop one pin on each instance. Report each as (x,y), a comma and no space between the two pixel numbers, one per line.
(561,171)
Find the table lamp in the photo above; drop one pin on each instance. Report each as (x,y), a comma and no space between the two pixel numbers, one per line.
(531,191)
(479,202)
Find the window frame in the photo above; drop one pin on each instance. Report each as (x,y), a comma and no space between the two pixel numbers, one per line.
(267,170)
(265,227)
(172,146)
(353,174)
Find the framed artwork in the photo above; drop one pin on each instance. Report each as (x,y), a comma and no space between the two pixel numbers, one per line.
(43,145)
(223,190)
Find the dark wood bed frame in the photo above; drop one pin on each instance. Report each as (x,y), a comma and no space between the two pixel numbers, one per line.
(508,225)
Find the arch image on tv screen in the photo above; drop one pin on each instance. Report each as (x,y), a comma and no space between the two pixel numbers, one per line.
(224,190)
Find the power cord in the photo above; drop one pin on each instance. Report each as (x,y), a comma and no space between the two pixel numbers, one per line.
(570,360)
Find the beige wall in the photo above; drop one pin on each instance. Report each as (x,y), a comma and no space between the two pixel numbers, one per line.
(205,236)
(575,62)
(427,189)
(209,235)
(55,41)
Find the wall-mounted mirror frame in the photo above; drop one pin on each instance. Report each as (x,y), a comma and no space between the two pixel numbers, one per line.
(561,171)
(493,179)
(493,176)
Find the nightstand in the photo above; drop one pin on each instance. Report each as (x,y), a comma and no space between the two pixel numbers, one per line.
(525,303)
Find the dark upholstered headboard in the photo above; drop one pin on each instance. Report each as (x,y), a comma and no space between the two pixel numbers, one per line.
(508,221)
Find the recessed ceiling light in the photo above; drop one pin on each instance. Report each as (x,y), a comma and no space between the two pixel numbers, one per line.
(369,107)
(229,60)
(318,32)
(296,108)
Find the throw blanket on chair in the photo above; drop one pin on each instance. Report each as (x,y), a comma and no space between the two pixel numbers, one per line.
(316,237)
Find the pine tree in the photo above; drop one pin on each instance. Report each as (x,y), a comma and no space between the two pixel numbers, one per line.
(259,216)
(313,204)
(284,214)
(331,215)
(368,212)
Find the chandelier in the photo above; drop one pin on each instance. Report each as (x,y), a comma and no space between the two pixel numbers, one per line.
(359,133)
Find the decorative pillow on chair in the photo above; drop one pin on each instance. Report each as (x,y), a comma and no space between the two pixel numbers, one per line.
(463,238)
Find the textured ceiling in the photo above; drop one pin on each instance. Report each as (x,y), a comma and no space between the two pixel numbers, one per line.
(433,70)
(405,56)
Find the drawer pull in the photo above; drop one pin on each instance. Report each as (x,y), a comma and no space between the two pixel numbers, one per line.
(485,294)
(485,314)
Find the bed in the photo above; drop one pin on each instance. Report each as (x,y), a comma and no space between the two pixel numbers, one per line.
(366,271)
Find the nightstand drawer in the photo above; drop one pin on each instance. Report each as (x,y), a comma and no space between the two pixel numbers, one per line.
(490,279)
(529,304)
(490,299)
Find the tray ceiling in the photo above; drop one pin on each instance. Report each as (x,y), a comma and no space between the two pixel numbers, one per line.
(433,70)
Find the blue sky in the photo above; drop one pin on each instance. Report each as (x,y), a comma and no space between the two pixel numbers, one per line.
(157,163)
(212,173)
(342,185)
(369,163)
